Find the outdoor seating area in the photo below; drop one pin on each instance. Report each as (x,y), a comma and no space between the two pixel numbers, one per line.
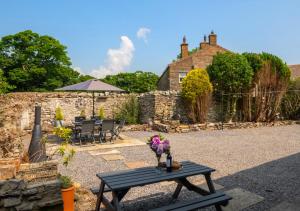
(95,130)
(108,106)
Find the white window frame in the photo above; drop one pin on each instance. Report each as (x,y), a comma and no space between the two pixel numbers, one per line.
(180,77)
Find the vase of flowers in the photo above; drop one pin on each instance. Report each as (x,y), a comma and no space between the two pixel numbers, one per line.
(159,145)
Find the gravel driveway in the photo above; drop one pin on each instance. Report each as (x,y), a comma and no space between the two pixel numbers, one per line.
(263,160)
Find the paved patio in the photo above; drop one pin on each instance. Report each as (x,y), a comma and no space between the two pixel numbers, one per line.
(258,166)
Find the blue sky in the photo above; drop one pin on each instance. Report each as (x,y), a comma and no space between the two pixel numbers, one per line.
(90,28)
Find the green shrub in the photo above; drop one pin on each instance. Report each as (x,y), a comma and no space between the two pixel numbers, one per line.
(66,182)
(101,113)
(59,114)
(290,106)
(196,89)
(82,113)
(129,111)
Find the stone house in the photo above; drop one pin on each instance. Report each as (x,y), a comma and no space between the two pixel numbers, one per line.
(295,71)
(201,58)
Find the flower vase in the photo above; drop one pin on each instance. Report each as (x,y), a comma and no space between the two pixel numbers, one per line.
(158,161)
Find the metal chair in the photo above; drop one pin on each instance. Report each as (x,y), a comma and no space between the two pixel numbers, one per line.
(79,118)
(108,126)
(118,128)
(87,131)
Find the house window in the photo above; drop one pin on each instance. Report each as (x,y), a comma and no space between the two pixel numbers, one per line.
(181,76)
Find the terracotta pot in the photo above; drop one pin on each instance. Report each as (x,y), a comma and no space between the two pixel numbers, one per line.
(68,198)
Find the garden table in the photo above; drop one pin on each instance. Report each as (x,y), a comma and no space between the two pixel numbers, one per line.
(120,182)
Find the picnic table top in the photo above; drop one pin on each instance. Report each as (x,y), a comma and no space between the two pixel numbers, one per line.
(125,179)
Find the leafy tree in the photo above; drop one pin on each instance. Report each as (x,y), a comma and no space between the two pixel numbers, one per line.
(137,82)
(32,62)
(4,86)
(232,74)
(196,89)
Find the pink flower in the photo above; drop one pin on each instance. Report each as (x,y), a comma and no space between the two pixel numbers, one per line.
(160,149)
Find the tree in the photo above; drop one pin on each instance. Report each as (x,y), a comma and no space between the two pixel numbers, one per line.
(269,84)
(232,74)
(137,82)
(4,86)
(32,62)
(196,89)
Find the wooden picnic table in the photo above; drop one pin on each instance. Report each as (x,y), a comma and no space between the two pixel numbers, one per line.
(120,182)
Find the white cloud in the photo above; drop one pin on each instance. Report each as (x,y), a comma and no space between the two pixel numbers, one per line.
(142,33)
(117,59)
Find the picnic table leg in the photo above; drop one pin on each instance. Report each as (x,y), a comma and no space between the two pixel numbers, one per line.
(177,190)
(100,196)
(116,202)
(212,189)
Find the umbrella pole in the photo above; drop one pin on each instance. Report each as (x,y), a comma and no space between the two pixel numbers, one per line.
(93,104)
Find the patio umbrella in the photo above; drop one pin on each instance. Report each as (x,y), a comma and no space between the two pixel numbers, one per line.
(92,85)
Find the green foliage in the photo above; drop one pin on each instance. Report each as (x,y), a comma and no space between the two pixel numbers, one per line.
(230,72)
(196,84)
(137,82)
(190,52)
(290,106)
(59,114)
(278,65)
(64,150)
(129,111)
(254,60)
(32,62)
(82,113)
(4,85)
(196,89)
(101,113)
(66,182)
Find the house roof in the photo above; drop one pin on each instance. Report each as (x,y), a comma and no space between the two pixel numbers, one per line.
(295,70)
(91,85)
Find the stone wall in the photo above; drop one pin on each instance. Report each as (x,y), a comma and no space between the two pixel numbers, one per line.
(29,186)
(18,109)
(16,194)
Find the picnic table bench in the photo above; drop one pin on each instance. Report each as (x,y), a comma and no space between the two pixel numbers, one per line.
(120,182)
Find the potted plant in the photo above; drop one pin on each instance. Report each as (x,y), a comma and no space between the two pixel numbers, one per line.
(82,113)
(59,117)
(66,152)
(101,113)
(67,192)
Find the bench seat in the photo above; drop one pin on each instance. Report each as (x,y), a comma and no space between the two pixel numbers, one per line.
(201,202)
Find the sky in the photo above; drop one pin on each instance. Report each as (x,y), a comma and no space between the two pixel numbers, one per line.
(110,36)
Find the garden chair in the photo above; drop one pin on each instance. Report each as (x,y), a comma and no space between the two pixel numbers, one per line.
(108,126)
(79,118)
(118,128)
(87,131)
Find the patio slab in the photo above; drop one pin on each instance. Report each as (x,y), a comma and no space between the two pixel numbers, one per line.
(112,157)
(241,199)
(124,141)
(95,152)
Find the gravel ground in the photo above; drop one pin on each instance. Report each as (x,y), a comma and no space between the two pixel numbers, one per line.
(262,160)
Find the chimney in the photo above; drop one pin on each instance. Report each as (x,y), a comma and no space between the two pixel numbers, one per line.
(184,48)
(212,38)
(204,44)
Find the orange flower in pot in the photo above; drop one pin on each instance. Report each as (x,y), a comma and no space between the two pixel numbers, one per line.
(67,192)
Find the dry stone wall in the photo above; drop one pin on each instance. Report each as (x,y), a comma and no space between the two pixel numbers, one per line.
(18,108)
